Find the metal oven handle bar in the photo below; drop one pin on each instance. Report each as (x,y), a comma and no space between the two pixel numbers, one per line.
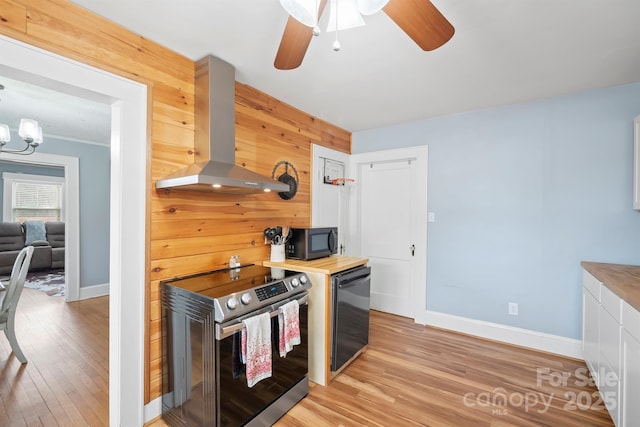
(223,332)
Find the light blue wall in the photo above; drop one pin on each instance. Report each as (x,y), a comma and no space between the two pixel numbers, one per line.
(94,164)
(522,194)
(28,169)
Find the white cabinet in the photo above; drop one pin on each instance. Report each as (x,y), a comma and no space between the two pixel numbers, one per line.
(609,342)
(636,163)
(591,326)
(630,373)
(611,349)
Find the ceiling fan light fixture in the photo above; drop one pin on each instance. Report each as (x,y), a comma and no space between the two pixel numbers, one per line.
(369,7)
(304,11)
(5,134)
(344,15)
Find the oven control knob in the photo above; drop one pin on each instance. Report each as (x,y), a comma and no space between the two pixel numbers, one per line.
(232,303)
(246,298)
(303,279)
(294,282)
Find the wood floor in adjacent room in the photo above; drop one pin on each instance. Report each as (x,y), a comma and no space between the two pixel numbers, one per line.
(410,375)
(66,379)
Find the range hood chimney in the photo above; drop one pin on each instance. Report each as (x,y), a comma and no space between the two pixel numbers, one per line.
(215,169)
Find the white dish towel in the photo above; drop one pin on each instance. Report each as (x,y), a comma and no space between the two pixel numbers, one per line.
(289,327)
(256,348)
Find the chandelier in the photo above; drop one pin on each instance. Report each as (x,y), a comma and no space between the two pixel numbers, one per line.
(29,131)
(344,14)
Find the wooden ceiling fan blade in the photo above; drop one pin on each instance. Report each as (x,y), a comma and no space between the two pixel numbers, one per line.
(295,42)
(422,21)
(293,46)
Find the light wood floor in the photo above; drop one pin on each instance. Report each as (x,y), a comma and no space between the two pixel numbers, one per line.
(413,375)
(65,382)
(410,375)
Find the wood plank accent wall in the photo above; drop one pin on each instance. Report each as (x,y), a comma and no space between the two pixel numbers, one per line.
(187,232)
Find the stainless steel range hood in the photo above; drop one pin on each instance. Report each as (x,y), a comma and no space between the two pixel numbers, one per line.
(215,141)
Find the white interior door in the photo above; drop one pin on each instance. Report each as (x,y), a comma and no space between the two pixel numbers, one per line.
(330,203)
(386,233)
(391,218)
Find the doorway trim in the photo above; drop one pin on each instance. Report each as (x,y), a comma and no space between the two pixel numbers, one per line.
(72,213)
(419,154)
(129,119)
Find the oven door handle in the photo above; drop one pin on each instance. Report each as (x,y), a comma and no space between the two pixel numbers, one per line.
(223,332)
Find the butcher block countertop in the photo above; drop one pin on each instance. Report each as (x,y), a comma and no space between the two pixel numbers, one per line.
(319,272)
(622,280)
(329,265)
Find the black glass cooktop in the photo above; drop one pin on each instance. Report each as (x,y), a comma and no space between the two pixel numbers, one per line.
(220,283)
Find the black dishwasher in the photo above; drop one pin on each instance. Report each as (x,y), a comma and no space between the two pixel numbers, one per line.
(350,314)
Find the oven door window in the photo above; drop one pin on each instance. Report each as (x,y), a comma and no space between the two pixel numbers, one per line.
(237,402)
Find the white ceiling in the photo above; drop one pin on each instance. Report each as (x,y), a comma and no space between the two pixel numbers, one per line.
(503,52)
(60,115)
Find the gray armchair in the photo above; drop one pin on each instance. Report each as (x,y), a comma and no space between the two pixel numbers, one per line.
(48,253)
(55,237)
(11,243)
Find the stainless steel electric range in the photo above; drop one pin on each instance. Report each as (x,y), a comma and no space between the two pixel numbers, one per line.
(204,383)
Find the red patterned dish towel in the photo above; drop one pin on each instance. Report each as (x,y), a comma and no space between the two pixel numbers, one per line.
(289,327)
(256,348)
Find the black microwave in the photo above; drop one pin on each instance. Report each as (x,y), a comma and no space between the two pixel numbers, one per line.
(312,243)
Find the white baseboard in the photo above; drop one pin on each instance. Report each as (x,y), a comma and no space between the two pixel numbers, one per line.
(94,291)
(508,334)
(153,409)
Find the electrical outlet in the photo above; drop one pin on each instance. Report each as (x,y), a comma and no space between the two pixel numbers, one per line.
(513,308)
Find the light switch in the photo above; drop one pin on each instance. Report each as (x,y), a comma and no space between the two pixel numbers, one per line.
(431,217)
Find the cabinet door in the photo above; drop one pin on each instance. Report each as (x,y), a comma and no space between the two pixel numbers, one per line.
(590,332)
(609,370)
(630,387)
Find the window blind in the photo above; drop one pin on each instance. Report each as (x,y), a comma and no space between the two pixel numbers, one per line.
(36,201)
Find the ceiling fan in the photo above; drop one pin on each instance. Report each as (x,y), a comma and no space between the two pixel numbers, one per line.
(419,19)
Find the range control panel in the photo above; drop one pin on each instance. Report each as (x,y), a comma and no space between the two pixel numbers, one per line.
(271,291)
(248,300)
